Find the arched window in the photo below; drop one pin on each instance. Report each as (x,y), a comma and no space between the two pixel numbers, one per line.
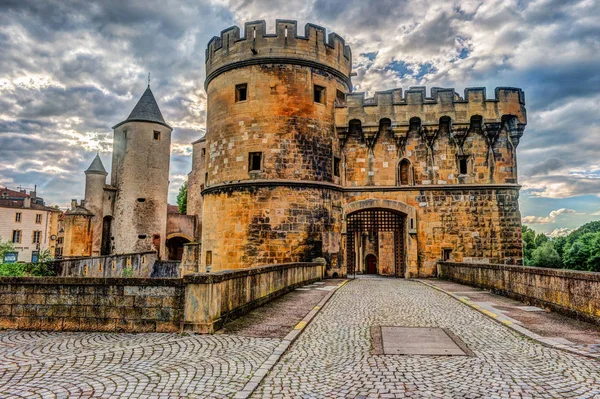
(404,173)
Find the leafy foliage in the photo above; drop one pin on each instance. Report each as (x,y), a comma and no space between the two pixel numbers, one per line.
(546,256)
(182,198)
(43,267)
(580,250)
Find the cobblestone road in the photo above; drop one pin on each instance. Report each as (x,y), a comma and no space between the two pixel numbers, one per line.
(332,357)
(84,365)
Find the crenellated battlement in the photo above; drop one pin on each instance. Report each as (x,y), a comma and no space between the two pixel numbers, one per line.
(315,49)
(400,107)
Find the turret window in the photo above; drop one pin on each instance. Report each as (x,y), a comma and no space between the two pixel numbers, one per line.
(241,92)
(463,166)
(319,94)
(156,135)
(254,161)
(336,166)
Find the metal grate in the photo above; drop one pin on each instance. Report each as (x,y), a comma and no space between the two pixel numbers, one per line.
(374,221)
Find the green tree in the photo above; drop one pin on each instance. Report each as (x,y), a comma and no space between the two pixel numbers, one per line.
(182,198)
(528,244)
(583,253)
(546,256)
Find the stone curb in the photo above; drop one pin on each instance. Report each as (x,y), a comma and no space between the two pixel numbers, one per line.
(548,342)
(268,364)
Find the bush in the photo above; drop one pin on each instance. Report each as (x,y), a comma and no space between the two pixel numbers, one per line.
(12,269)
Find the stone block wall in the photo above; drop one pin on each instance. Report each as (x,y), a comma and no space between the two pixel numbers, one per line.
(571,292)
(125,265)
(91,304)
(212,299)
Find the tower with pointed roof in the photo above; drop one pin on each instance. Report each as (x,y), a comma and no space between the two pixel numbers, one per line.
(95,182)
(140,174)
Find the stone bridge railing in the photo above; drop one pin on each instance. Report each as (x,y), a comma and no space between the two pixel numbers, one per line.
(570,292)
(212,299)
(199,302)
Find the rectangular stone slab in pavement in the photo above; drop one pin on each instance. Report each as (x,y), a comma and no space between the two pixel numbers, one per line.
(418,341)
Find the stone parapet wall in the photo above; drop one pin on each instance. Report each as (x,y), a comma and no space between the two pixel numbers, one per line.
(91,304)
(213,298)
(132,265)
(571,292)
(144,304)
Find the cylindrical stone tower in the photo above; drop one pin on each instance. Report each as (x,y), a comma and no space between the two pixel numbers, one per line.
(140,172)
(272,157)
(95,180)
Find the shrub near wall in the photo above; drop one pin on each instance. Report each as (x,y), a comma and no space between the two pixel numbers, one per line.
(571,292)
(91,304)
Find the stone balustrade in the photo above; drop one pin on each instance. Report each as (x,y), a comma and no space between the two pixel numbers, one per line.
(571,292)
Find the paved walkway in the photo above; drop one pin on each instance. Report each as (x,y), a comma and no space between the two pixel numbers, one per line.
(332,358)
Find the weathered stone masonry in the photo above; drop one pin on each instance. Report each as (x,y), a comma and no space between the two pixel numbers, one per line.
(445,164)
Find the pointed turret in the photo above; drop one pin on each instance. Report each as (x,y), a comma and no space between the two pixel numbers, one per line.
(146,110)
(96,167)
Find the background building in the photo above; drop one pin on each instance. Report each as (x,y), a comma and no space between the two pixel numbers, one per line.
(28,223)
(128,215)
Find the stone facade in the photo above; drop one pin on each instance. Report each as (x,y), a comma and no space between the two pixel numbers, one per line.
(298,166)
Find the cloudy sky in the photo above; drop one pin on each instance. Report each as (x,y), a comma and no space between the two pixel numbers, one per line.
(69,70)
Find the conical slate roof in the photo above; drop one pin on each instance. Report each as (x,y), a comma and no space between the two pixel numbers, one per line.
(96,166)
(146,110)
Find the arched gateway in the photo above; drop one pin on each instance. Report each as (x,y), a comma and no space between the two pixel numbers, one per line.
(378,228)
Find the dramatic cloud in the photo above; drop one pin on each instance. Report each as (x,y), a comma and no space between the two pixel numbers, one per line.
(71,69)
(560,232)
(547,219)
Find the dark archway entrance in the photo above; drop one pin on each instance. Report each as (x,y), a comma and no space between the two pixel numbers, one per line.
(379,233)
(106,242)
(371,262)
(175,247)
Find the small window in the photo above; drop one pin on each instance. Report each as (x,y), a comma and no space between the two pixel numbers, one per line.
(254,161)
(319,94)
(412,224)
(241,92)
(38,218)
(201,187)
(16,236)
(336,166)
(446,253)
(415,124)
(18,217)
(36,237)
(206,178)
(476,123)
(142,236)
(208,258)
(59,240)
(445,123)
(463,166)
(156,135)
(203,152)
(141,200)
(340,97)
